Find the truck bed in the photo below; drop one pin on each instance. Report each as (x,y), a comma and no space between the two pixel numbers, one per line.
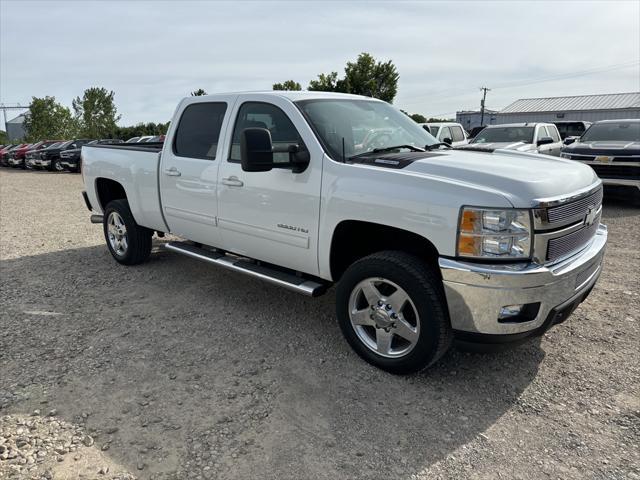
(135,168)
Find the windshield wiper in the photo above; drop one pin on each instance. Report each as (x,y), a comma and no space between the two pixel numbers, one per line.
(388,149)
(439,144)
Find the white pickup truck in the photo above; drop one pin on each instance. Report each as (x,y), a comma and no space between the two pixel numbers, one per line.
(305,190)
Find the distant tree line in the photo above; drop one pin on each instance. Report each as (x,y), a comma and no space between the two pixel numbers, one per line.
(94,115)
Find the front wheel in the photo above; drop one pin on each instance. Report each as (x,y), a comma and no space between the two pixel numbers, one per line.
(392,311)
(128,242)
(56,166)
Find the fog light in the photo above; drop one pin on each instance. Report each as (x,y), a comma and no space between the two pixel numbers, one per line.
(509,311)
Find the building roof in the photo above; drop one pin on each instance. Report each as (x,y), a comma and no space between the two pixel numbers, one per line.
(19,119)
(611,101)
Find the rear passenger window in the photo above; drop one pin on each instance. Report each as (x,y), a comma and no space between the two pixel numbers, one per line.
(444,133)
(198,131)
(458,136)
(265,115)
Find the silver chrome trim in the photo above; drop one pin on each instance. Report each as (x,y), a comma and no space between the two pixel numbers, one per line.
(555,201)
(621,182)
(476,292)
(612,164)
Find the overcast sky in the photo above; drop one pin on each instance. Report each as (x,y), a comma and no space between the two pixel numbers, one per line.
(152,53)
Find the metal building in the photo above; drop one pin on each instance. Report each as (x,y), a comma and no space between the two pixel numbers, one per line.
(590,108)
(15,128)
(471,118)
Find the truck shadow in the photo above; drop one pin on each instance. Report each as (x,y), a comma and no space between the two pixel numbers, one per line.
(185,369)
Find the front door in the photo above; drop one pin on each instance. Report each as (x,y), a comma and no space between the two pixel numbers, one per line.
(189,170)
(271,216)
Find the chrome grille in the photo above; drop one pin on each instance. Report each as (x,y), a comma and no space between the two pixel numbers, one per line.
(577,209)
(562,246)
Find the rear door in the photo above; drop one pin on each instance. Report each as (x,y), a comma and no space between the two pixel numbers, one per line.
(189,168)
(271,216)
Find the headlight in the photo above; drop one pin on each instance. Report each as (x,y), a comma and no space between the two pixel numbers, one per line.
(489,233)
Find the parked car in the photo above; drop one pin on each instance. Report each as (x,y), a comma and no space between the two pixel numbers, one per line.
(70,159)
(450,133)
(16,156)
(4,153)
(612,149)
(34,152)
(571,128)
(145,139)
(50,157)
(156,139)
(424,242)
(133,140)
(523,137)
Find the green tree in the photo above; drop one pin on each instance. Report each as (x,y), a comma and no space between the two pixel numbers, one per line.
(365,76)
(4,139)
(198,93)
(416,117)
(327,83)
(287,85)
(47,119)
(96,112)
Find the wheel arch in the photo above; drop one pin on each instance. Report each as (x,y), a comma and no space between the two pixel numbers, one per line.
(355,239)
(107,190)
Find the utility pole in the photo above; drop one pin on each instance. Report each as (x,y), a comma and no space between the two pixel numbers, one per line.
(484,97)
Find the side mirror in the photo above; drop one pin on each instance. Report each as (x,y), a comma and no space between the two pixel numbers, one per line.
(447,140)
(256,150)
(545,141)
(570,140)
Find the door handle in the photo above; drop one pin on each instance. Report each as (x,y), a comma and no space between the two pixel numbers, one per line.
(172,172)
(232,181)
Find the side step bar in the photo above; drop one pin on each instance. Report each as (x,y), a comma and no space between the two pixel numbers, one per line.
(268,274)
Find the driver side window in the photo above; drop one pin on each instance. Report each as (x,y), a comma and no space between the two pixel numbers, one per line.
(265,115)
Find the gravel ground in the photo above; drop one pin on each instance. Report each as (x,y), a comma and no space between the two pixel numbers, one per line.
(178,370)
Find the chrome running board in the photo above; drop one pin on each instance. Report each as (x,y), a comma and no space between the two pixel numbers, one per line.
(268,274)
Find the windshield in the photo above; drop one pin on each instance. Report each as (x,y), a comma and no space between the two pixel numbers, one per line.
(625,131)
(361,126)
(505,134)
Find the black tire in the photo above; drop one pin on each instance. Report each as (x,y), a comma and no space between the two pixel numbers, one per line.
(425,291)
(138,238)
(55,166)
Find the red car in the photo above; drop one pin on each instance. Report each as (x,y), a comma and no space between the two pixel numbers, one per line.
(4,153)
(17,156)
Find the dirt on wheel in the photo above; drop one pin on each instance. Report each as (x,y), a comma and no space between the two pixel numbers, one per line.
(174,369)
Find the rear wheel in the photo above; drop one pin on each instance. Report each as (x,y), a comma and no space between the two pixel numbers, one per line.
(55,166)
(392,311)
(128,242)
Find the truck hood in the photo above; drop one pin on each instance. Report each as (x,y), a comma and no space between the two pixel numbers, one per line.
(490,147)
(520,177)
(611,147)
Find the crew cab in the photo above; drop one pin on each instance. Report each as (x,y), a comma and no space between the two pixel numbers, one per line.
(423,242)
(612,149)
(34,151)
(524,137)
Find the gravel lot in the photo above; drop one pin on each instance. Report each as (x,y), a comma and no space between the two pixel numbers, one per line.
(178,370)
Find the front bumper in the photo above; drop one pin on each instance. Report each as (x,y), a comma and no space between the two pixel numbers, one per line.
(69,163)
(476,292)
